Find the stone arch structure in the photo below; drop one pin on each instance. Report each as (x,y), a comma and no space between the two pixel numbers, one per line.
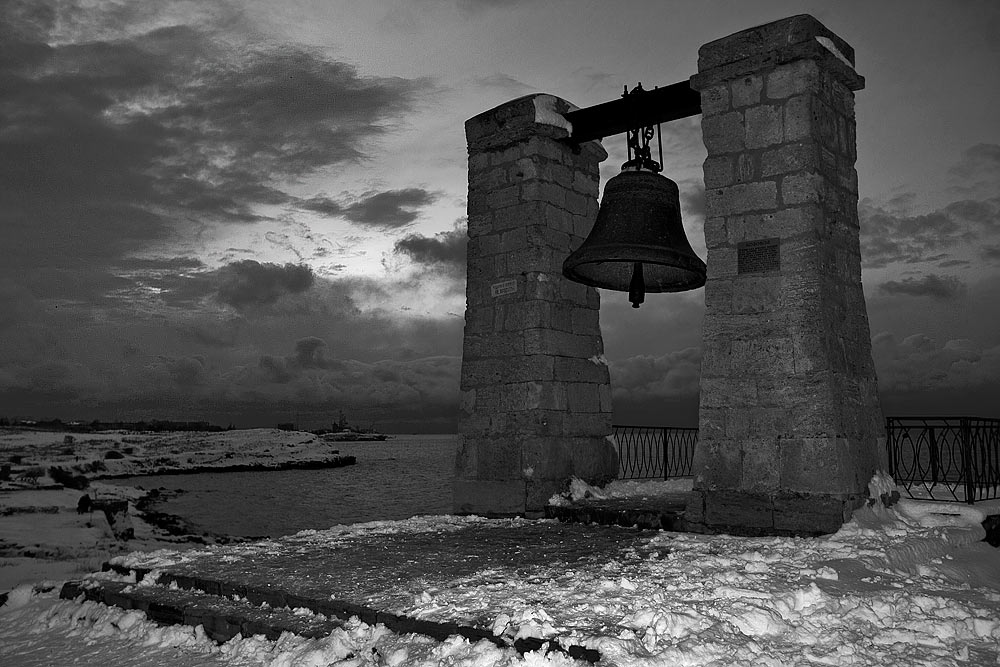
(790,426)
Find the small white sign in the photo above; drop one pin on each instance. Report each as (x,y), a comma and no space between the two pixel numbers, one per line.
(506,287)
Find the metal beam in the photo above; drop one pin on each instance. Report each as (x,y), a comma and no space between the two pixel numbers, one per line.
(639,109)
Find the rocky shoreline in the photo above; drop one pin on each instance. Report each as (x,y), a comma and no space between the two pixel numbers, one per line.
(336,462)
(146,508)
(46,532)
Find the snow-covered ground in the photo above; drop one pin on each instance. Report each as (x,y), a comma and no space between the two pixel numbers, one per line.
(911,584)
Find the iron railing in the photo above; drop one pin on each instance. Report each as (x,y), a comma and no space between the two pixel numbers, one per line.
(648,452)
(945,458)
(935,458)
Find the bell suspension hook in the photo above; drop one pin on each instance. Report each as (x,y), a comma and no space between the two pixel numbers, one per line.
(637,140)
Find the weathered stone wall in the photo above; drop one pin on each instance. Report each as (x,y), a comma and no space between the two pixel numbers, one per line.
(536,396)
(790,426)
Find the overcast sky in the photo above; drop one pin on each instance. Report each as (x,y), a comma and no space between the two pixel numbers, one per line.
(252,211)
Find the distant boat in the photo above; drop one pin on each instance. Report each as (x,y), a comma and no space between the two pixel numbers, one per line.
(342,431)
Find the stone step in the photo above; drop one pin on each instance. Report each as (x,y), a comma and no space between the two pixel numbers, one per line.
(659,514)
(226,609)
(222,618)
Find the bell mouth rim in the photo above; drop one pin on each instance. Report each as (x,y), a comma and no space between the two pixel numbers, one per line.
(693,270)
(687,286)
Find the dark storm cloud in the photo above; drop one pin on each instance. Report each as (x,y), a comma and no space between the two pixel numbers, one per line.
(187,371)
(388,209)
(983,213)
(111,142)
(444,249)
(666,322)
(920,363)
(212,332)
(251,283)
(693,198)
(979,168)
(674,375)
(991,253)
(478,6)
(309,355)
(932,285)
(240,284)
(891,235)
(392,208)
(313,380)
(310,352)
(889,238)
(323,205)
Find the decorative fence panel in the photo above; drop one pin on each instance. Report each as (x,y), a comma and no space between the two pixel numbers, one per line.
(945,458)
(936,458)
(651,452)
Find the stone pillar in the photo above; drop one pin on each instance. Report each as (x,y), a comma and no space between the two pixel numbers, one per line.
(790,426)
(536,396)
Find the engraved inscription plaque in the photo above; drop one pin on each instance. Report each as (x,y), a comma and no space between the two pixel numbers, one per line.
(758,256)
(503,288)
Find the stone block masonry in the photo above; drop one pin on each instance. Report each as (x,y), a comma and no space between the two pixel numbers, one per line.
(791,429)
(536,397)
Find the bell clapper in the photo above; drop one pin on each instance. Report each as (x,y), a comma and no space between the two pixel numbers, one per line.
(637,286)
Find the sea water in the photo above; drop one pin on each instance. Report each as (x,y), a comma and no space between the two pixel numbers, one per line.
(404,476)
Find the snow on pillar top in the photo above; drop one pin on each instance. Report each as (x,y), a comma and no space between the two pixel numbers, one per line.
(538,114)
(764,46)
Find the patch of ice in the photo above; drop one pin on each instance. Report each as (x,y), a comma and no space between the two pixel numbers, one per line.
(558,500)
(881,484)
(397,657)
(930,514)
(500,624)
(581,490)
(655,624)
(19,597)
(832,48)
(546,112)
(631,488)
(759,622)
(989,507)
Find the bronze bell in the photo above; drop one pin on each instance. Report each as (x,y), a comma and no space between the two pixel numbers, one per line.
(637,243)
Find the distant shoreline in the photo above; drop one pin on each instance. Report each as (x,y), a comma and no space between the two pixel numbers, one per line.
(338,462)
(32,459)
